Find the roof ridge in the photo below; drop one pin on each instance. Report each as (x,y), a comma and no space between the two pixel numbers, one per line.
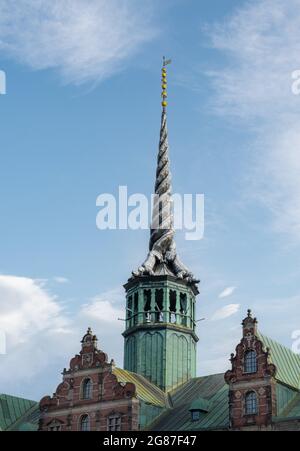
(20,420)
(147,382)
(263,336)
(13,409)
(286,361)
(18,397)
(143,387)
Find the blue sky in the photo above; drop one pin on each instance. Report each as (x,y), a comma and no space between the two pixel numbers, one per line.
(81,117)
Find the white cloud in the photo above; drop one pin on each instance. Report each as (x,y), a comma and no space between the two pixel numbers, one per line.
(261,43)
(104,313)
(27,308)
(61,280)
(83,41)
(105,309)
(2,342)
(36,331)
(227,292)
(41,336)
(101,310)
(114,295)
(226,312)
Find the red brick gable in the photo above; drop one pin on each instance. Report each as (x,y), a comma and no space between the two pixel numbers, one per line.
(106,397)
(252,391)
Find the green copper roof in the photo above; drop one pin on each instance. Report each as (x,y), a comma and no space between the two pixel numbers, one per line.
(146,391)
(286,361)
(14,411)
(288,402)
(211,389)
(28,427)
(294,410)
(284,398)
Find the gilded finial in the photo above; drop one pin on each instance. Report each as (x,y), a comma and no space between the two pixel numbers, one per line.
(164,82)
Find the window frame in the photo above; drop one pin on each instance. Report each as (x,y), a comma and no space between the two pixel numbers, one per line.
(88,423)
(250,362)
(250,404)
(196,415)
(115,418)
(87,380)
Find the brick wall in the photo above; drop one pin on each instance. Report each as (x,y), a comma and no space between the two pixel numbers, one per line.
(106,402)
(254,380)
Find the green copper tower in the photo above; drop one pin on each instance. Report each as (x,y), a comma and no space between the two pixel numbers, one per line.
(160,338)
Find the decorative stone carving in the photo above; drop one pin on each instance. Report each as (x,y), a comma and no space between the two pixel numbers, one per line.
(260,378)
(107,391)
(162,248)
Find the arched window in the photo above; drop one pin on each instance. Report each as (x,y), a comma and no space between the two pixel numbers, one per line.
(87,388)
(129,311)
(250,363)
(114,423)
(85,423)
(135,308)
(147,305)
(251,403)
(173,302)
(159,300)
(183,308)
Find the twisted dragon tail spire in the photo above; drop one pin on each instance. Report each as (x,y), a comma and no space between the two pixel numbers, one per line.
(162,248)
(162,231)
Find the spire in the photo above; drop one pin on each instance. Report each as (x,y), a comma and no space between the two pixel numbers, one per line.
(162,230)
(162,258)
